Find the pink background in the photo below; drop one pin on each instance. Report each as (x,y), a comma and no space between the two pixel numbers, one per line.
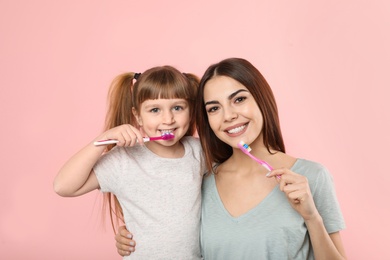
(327,61)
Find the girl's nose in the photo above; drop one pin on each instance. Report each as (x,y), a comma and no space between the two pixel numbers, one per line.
(168,117)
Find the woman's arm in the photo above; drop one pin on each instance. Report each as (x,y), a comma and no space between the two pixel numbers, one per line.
(297,190)
(124,243)
(325,246)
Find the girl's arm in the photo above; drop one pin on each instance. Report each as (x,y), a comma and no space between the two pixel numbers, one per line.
(296,187)
(76,177)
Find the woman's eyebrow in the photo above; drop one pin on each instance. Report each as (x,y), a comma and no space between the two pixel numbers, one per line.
(230,97)
(213,102)
(236,93)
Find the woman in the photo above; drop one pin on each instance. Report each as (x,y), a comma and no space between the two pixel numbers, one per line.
(249,212)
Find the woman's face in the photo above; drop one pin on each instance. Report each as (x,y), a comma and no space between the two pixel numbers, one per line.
(232,111)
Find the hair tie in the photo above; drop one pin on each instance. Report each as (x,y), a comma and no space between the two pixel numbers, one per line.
(136,75)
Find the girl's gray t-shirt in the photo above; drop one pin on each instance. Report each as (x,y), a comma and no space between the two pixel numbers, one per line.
(160,198)
(271,230)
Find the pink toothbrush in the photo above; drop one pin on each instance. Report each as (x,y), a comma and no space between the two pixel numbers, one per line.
(246,149)
(164,136)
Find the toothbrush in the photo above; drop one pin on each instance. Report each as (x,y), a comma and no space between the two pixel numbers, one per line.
(246,149)
(164,136)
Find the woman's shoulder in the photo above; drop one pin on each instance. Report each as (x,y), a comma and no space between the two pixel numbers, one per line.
(208,181)
(313,171)
(308,164)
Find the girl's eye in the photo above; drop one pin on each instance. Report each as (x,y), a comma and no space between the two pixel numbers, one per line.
(154,110)
(178,108)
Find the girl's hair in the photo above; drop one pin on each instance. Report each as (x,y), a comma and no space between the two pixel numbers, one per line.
(163,82)
(216,151)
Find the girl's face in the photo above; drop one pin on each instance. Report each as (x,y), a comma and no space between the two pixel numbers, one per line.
(232,111)
(158,116)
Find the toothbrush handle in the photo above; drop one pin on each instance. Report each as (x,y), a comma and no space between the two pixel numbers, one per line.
(113,141)
(263,163)
(267,166)
(105,142)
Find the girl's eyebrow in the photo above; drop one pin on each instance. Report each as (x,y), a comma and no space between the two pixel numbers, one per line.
(230,97)
(176,103)
(152,105)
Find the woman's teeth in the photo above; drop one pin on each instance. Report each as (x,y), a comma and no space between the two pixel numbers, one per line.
(236,130)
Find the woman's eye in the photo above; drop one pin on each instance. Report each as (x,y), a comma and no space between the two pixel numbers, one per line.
(239,99)
(212,109)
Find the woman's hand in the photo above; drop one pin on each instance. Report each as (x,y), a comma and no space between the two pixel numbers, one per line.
(127,135)
(124,243)
(297,190)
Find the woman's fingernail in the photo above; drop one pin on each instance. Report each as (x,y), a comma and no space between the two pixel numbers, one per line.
(129,236)
(132,243)
(268,173)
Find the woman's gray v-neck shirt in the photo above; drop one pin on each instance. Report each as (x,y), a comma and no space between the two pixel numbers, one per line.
(271,230)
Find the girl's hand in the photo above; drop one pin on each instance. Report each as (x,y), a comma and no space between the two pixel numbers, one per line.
(124,243)
(127,135)
(297,190)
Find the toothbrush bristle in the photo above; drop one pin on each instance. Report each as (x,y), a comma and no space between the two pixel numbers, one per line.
(246,149)
(167,136)
(245,146)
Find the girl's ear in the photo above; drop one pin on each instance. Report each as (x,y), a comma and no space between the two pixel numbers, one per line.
(135,113)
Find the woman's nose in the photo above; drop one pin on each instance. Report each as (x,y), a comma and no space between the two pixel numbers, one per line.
(230,114)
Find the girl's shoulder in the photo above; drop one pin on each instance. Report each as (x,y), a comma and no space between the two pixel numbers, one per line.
(192,141)
(122,153)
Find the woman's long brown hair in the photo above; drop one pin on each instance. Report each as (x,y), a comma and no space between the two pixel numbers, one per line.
(216,151)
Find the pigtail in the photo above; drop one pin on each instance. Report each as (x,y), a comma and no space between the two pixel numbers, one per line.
(119,112)
(193,79)
(194,85)
(120,101)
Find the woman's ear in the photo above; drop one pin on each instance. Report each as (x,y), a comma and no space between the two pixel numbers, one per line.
(137,117)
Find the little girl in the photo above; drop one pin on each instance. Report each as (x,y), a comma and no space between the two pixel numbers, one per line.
(154,186)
